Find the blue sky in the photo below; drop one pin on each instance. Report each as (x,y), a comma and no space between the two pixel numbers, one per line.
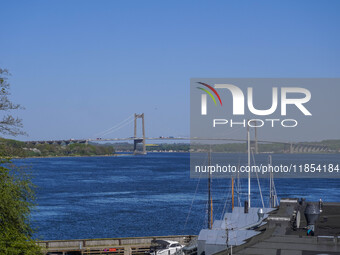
(80,67)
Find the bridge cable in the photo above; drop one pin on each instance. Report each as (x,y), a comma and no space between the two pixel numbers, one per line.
(118,128)
(115,126)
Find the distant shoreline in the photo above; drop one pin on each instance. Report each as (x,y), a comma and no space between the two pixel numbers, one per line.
(151,152)
(83,156)
(64,156)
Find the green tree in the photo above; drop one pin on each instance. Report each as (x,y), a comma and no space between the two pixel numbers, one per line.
(16,189)
(9,125)
(16,201)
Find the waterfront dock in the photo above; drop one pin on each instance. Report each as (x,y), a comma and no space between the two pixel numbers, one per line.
(122,246)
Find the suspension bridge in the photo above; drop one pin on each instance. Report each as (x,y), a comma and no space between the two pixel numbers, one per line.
(293,147)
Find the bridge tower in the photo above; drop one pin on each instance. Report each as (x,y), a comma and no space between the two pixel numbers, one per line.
(136,139)
(253,143)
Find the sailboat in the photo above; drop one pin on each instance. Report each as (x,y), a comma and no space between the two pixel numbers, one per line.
(236,226)
(291,227)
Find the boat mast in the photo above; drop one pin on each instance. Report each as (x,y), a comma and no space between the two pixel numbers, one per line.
(238,185)
(210,207)
(248,140)
(232,193)
(271,185)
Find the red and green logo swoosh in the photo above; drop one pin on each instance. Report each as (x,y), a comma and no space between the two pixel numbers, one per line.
(209,93)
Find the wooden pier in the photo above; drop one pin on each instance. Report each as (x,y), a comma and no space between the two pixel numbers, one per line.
(117,246)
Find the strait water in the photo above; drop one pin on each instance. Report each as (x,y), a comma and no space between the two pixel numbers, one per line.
(103,197)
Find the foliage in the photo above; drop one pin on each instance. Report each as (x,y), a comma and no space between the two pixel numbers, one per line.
(52,150)
(182,147)
(16,188)
(332,145)
(9,124)
(16,202)
(20,149)
(13,148)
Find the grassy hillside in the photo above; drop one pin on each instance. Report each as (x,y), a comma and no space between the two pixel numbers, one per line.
(13,148)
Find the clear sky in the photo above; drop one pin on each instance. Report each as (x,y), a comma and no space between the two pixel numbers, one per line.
(80,67)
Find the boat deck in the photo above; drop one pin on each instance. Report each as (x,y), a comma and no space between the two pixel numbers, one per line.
(285,233)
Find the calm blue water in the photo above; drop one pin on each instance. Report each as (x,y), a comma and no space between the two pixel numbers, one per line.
(102,197)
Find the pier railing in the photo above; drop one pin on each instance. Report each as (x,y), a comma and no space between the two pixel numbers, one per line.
(123,246)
